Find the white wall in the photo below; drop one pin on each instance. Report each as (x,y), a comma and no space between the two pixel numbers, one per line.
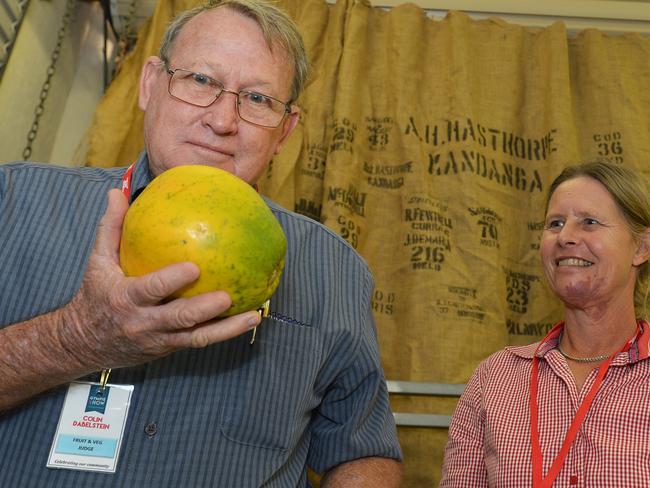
(613,16)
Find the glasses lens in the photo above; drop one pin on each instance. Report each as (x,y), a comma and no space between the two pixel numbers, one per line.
(260,109)
(194,88)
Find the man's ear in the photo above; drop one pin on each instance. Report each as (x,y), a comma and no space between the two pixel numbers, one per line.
(151,70)
(642,253)
(288,125)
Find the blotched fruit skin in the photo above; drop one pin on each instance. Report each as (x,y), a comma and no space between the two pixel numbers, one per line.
(216,220)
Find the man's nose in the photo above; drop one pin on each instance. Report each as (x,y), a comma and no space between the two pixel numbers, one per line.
(222,115)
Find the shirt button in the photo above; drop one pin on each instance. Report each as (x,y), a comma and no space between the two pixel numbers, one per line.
(150,429)
(573,479)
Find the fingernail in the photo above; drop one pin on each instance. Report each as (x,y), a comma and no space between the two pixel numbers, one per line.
(254,320)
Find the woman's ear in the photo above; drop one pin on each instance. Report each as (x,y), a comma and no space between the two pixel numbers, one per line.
(642,253)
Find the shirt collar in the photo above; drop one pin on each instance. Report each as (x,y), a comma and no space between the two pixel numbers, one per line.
(142,175)
(640,348)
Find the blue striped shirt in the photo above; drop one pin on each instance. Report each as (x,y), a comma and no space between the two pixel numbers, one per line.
(309,392)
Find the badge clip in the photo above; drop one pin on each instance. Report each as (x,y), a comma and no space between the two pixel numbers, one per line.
(103,379)
(264,312)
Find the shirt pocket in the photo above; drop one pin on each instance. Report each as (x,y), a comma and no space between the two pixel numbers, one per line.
(269,385)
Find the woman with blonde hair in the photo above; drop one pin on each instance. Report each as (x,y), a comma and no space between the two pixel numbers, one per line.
(572,409)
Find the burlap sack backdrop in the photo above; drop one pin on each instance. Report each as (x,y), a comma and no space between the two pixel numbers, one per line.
(429,145)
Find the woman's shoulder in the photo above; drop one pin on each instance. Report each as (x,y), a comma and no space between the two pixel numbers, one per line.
(507,368)
(507,359)
(512,353)
(524,352)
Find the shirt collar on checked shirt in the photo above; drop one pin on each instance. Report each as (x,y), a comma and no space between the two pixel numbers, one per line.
(640,348)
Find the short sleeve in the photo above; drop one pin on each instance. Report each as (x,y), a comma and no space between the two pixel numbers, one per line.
(354,419)
(464,463)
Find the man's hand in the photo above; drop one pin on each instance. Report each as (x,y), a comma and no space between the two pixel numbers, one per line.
(113,321)
(130,325)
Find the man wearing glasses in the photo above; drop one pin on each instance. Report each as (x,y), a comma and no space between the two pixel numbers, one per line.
(190,401)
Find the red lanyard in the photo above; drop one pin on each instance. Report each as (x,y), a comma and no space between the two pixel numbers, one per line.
(539,481)
(126,182)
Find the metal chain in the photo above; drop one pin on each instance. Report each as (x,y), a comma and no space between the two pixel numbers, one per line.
(45,89)
(125,40)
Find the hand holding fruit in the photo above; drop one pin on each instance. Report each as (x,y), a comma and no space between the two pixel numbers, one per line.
(116,321)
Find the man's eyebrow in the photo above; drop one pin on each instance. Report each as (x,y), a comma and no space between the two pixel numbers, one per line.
(211,70)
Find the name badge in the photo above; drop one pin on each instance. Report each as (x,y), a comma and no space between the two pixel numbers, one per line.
(91,427)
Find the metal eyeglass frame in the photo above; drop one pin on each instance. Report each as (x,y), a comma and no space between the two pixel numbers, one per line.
(170,72)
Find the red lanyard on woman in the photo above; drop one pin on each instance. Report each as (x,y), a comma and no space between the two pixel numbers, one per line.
(539,481)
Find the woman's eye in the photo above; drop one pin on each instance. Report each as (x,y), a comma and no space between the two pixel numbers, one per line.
(590,221)
(554,224)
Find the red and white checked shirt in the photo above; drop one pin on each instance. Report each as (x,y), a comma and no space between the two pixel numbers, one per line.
(489,437)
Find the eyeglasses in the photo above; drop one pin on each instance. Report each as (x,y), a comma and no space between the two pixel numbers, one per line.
(202,91)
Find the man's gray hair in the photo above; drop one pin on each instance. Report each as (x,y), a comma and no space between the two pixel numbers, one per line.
(276,26)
